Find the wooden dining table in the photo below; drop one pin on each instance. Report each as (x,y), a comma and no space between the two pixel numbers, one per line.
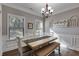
(40,43)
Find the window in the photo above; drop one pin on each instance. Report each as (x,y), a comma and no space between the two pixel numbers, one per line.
(39,28)
(16,26)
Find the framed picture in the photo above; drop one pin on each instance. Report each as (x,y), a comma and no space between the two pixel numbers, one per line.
(30,25)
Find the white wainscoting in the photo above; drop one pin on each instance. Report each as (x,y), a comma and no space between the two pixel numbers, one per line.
(10,44)
(69,37)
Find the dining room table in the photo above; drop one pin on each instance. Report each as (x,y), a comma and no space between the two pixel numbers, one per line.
(41,42)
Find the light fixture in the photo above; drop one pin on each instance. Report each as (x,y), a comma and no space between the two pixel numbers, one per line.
(47,11)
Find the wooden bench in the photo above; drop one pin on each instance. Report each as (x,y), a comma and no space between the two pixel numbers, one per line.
(45,51)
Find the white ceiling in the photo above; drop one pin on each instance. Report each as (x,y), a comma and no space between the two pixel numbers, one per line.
(35,8)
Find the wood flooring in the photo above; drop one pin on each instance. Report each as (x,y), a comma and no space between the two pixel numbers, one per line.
(68,52)
(64,52)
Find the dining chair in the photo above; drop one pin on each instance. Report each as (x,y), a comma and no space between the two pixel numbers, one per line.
(20,52)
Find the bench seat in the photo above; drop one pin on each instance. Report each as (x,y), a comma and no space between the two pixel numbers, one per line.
(45,51)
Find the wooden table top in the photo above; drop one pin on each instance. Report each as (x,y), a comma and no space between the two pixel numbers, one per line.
(39,43)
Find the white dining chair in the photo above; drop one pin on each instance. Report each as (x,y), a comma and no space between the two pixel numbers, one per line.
(20,52)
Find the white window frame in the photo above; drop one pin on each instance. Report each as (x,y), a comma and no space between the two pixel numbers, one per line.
(9,14)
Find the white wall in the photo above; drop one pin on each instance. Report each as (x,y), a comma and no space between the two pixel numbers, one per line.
(10,45)
(0,30)
(66,34)
(61,16)
(64,15)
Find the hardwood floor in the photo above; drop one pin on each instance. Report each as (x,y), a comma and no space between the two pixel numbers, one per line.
(64,52)
(68,52)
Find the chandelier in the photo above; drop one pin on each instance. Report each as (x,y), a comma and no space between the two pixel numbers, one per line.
(47,11)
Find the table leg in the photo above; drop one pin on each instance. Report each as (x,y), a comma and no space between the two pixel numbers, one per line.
(59,51)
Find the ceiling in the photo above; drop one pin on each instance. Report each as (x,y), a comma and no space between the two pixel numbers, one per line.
(35,8)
